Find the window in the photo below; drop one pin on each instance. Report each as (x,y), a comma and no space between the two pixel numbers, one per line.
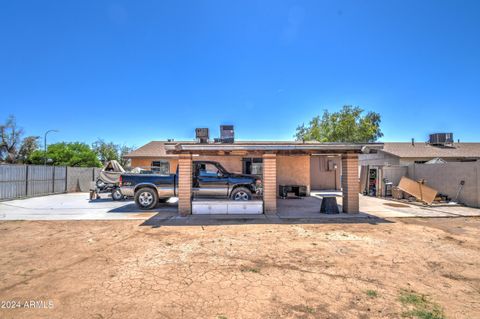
(208,170)
(253,166)
(161,167)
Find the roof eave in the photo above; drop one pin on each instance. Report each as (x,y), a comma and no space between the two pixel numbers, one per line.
(339,147)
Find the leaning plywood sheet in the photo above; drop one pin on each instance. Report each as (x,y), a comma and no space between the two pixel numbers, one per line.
(419,190)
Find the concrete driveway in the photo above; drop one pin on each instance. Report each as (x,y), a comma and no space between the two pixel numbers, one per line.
(77,206)
(309,207)
(383,208)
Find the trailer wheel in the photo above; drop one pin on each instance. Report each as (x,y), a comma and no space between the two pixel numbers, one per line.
(117,194)
(146,198)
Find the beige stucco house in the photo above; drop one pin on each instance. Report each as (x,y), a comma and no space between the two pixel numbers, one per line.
(311,164)
(316,171)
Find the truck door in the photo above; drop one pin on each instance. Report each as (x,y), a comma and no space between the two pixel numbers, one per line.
(209,180)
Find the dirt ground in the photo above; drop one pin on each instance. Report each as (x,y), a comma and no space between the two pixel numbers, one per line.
(119,269)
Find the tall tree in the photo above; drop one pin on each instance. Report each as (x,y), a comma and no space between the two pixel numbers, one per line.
(346,125)
(67,154)
(29,145)
(10,138)
(111,151)
(105,151)
(124,150)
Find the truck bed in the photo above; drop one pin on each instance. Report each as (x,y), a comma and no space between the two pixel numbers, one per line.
(166,185)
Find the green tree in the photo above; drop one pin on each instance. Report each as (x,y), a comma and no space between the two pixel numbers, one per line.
(124,150)
(67,154)
(346,125)
(111,151)
(29,145)
(105,151)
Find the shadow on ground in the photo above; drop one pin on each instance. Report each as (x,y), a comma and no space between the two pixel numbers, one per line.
(131,207)
(165,219)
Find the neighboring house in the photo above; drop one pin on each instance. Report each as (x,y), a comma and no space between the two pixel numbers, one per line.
(317,171)
(452,161)
(413,152)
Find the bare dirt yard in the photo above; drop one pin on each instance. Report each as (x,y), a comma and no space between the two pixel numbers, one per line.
(417,268)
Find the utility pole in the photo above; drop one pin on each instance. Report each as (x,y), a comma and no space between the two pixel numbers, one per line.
(45,146)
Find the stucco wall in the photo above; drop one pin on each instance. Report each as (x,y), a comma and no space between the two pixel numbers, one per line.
(394,173)
(293,170)
(147,162)
(231,163)
(321,177)
(446,179)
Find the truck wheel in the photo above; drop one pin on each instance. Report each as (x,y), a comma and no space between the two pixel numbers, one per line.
(117,194)
(241,193)
(146,198)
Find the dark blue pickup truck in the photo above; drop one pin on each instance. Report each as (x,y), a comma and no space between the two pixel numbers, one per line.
(209,179)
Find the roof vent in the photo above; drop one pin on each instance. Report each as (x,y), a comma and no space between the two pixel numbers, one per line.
(441,139)
(227,134)
(202,135)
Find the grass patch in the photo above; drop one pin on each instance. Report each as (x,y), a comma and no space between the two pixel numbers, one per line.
(250,269)
(222,317)
(419,306)
(371,293)
(309,309)
(304,309)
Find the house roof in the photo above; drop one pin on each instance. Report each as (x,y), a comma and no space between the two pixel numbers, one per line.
(152,149)
(425,150)
(165,148)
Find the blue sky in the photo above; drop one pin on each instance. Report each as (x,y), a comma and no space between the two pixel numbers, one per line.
(135,71)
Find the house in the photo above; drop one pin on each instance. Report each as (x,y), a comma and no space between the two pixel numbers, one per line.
(400,153)
(311,164)
(452,162)
(316,171)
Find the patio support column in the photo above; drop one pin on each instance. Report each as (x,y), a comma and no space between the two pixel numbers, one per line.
(269,183)
(185,184)
(350,183)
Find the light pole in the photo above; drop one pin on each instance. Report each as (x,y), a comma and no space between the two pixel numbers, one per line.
(45,145)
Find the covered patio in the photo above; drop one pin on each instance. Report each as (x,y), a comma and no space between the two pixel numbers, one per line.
(279,160)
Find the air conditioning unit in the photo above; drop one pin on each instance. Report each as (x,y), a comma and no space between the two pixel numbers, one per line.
(202,135)
(227,134)
(441,139)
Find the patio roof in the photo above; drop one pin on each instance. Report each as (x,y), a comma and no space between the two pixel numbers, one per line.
(271,147)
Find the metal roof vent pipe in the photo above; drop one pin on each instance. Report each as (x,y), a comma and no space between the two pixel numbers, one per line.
(413,142)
